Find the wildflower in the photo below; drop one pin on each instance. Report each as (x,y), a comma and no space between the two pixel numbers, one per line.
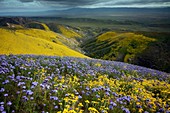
(79,97)
(2,90)
(80,105)
(1,103)
(76,93)
(111,107)
(5,95)
(9,103)
(114,94)
(87,88)
(97,96)
(107,93)
(138,106)
(5,82)
(125,110)
(113,104)
(161,110)
(55,107)
(53,98)
(18,92)
(1,108)
(93,110)
(31,98)
(25,98)
(29,92)
(87,101)
(168,111)
(23,87)
(35,83)
(21,83)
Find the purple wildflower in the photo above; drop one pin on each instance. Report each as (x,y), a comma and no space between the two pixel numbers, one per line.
(146,112)
(23,87)
(125,110)
(53,98)
(5,82)
(31,98)
(25,98)
(161,110)
(79,96)
(113,104)
(1,108)
(5,95)
(111,107)
(29,92)
(35,83)
(97,96)
(107,93)
(2,90)
(55,107)
(9,103)
(1,103)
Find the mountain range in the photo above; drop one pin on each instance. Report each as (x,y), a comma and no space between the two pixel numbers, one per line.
(88,12)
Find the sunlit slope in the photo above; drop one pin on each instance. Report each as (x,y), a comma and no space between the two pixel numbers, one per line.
(117,46)
(68,32)
(38,33)
(19,43)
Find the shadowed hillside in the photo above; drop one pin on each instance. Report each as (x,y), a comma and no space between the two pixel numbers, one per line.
(37,25)
(131,48)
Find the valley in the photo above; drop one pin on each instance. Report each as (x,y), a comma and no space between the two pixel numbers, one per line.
(94,38)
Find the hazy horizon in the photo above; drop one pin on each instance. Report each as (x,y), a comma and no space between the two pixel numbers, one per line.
(46,5)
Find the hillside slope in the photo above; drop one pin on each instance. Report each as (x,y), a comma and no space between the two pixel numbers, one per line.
(37,25)
(117,46)
(78,85)
(33,41)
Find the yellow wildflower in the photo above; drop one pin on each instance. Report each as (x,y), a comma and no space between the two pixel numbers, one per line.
(93,110)
(87,101)
(80,105)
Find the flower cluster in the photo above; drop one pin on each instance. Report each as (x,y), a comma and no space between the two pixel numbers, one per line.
(31,83)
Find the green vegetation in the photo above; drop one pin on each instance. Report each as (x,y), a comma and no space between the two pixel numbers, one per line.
(157,54)
(117,46)
(68,32)
(41,84)
(37,25)
(141,42)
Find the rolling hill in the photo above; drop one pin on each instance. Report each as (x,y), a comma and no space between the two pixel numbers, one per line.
(117,46)
(33,41)
(148,49)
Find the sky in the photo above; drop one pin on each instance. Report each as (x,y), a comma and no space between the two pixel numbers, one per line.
(43,5)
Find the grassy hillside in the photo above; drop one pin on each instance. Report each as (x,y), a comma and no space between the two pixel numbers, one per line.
(117,46)
(38,33)
(67,31)
(37,25)
(33,41)
(30,83)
